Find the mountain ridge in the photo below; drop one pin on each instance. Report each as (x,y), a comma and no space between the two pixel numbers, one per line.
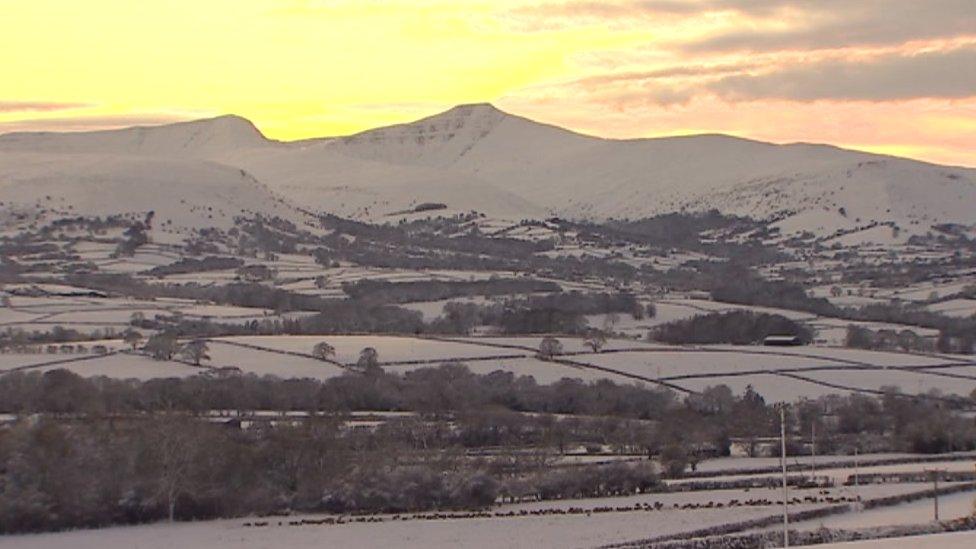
(478,157)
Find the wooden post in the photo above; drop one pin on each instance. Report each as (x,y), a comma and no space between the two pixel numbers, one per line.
(935,474)
(813,452)
(782,459)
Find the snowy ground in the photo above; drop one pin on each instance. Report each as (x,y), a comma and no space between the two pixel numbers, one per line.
(951,506)
(842,473)
(550,531)
(534,530)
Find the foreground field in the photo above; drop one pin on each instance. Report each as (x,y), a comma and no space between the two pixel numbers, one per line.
(544,532)
(593,523)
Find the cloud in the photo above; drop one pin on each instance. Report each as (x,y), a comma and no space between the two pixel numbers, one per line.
(675,71)
(938,74)
(947,74)
(833,24)
(585,9)
(772,25)
(38,106)
(88,123)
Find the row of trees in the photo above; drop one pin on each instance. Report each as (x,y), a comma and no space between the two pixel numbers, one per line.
(153,458)
(859,337)
(737,327)
(58,474)
(452,389)
(381,291)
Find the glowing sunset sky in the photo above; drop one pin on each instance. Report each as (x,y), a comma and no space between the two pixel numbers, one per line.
(894,76)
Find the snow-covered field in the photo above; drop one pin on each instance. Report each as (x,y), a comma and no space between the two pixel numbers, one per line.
(951,506)
(840,474)
(747,463)
(776,373)
(960,308)
(87,314)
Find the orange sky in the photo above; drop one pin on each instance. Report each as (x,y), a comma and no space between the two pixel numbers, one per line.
(894,76)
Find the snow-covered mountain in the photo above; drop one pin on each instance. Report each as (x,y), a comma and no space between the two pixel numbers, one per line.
(162,169)
(476,157)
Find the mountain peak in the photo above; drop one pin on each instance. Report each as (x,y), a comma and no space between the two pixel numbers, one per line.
(459,126)
(475,108)
(227,126)
(467,112)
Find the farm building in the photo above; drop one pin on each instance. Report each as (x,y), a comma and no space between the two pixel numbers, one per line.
(754,447)
(782,341)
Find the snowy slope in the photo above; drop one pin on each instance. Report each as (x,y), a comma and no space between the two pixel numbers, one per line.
(136,170)
(185,194)
(476,157)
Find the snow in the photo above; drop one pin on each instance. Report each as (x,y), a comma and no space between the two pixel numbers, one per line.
(125,366)
(389,348)
(909,382)
(747,463)
(960,308)
(841,473)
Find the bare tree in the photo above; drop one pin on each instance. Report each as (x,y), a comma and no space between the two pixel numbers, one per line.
(173,448)
(132,338)
(595,339)
(195,351)
(162,346)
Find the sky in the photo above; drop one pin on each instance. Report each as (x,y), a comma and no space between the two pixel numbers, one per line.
(889,76)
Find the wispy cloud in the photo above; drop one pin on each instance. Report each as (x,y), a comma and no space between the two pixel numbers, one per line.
(767,25)
(836,24)
(938,74)
(88,123)
(38,106)
(664,73)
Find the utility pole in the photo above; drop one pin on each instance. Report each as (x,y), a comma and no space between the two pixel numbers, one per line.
(857,484)
(813,452)
(935,490)
(782,460)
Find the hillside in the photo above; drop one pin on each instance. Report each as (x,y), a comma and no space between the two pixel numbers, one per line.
(476,157)
(185,194)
